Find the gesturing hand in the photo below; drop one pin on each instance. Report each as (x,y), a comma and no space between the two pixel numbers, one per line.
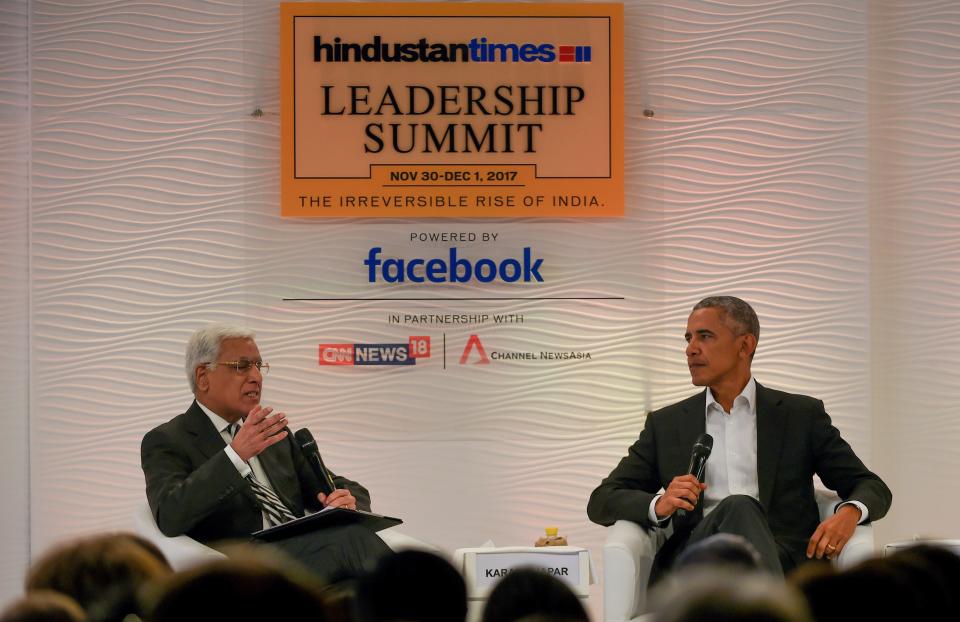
(259,431)
(832,534)
(683,492)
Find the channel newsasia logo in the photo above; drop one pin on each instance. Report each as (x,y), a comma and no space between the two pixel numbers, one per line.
(474,353)
(417,347)
(477,50)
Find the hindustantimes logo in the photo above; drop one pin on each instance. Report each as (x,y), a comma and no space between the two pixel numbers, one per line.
(477,50)
(416,347)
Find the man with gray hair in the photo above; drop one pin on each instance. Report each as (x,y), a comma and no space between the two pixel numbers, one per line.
(767,446)
(228,467)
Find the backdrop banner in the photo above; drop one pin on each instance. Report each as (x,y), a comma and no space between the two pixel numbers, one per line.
(452,110)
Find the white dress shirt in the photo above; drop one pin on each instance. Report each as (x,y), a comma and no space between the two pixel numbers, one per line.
(732,467)
(244,468)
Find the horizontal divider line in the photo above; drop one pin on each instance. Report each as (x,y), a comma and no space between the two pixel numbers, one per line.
(491,298)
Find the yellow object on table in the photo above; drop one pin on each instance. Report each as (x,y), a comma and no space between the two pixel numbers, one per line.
(551,539)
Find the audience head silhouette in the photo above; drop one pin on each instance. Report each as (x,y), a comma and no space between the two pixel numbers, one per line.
(526,593)
(414,586)
(44,606)
(104,574)
(706,596)
(722,549)
(245,587)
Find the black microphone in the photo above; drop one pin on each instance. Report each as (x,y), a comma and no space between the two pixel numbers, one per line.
(309,448)
(698,462)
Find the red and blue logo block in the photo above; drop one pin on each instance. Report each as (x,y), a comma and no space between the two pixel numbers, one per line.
(574,54)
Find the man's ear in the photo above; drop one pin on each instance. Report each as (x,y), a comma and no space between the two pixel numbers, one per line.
(749,345)
(200,375)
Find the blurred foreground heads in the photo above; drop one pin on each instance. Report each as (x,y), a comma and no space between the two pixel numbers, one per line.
(247,586)
(526,595)
(722,549)
(702,594)
(103,574)
(413,586)
(44,606)
(916,583)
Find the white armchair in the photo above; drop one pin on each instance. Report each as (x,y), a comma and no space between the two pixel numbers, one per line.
(183,551)
(629,551)
(627,561)
(860,546)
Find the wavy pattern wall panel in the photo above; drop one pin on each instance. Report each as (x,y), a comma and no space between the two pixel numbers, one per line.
(916,225)
(14,294)
(138,234)
(155,209)
(174,59)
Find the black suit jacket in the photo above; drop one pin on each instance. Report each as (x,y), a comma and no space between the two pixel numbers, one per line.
(795,440)
(194,489)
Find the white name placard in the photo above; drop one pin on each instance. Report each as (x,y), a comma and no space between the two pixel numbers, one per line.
(491,567)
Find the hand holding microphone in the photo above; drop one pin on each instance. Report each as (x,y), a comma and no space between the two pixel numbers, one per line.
(684,490)
(328,495)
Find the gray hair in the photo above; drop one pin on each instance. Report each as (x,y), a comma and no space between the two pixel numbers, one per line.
(204,347)
(740,317)
(721,594)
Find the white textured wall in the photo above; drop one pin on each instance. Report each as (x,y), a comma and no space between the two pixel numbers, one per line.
(755,176)
(14,294)
(915,215)
(138,235)
(798,157)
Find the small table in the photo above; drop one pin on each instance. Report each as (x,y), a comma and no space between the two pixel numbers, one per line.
(483,567)
(951,545)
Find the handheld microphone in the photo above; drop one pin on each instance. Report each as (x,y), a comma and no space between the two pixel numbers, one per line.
(698,463)
(309,448)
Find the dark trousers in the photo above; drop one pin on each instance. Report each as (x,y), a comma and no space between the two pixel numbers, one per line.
(336,553)
(739,515)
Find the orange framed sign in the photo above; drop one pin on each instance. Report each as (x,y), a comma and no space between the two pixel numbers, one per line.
(451,110)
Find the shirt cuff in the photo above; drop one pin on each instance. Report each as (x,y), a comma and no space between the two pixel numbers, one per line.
(242,467)
(652,513)
(863,510)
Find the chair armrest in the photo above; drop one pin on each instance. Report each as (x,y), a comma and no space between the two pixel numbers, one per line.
(184,552)
(860,546)
(181,551)
(827,502)
(627,560)
(398,541)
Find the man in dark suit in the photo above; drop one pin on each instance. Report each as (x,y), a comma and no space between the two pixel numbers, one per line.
(202,467)
(767,447)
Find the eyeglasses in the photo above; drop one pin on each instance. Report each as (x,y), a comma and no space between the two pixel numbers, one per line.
(243,367)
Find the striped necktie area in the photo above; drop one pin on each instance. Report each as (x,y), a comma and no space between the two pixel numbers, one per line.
(276,511)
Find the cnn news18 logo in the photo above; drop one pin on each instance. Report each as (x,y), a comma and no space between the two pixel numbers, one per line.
(417,347)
